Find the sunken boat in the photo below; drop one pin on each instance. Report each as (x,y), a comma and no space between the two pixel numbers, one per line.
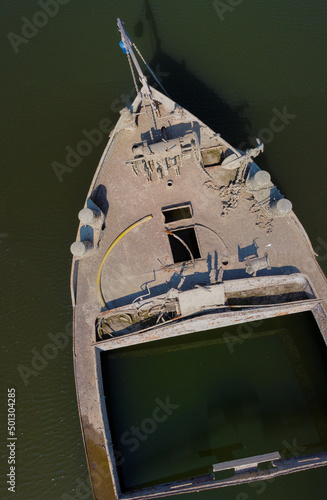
(180,233)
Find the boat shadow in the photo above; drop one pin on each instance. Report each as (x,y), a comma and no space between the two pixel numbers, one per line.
(187,89)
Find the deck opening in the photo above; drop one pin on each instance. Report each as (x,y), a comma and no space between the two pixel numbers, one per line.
(264,466)
(224,474)
(177,213)
(184,252)
(236,414)
(212,157)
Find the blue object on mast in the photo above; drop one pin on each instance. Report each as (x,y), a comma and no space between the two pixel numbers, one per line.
(126,44)
(123,48)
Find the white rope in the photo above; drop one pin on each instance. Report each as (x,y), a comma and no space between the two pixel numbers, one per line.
(154,76)
(132,71)
(147,117)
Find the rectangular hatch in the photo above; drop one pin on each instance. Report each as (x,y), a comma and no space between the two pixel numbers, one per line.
(173,214)
(184,244)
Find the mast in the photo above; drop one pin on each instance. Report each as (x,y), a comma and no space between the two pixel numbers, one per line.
(127,44)
(127,47)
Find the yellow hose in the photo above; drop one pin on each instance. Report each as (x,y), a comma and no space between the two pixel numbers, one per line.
(113,244)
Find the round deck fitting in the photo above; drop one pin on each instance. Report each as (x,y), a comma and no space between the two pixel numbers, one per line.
(281,207)
(260,180)
(79,248)
(87,216)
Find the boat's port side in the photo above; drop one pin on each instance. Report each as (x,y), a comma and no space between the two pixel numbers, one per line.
(89,235)
(108,443)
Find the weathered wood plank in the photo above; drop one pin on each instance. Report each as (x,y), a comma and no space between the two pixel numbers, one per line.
(246,463)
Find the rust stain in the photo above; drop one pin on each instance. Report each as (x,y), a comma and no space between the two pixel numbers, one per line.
(100,476)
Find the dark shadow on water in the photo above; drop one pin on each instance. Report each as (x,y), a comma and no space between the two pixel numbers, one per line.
(195,96)
(188,90)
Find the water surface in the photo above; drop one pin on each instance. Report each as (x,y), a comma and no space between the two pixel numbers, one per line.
(232,73)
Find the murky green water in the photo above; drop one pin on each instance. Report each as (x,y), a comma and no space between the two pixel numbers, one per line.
(217,396)
(59,81)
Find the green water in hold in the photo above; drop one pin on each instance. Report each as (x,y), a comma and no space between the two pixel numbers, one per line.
(182,405)
(66,79)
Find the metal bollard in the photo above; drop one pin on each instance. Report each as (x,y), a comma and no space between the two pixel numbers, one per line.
(88,216)
(280,207)
(81,248)
(260,180)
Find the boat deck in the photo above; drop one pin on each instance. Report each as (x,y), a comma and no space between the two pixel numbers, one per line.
(229,229)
